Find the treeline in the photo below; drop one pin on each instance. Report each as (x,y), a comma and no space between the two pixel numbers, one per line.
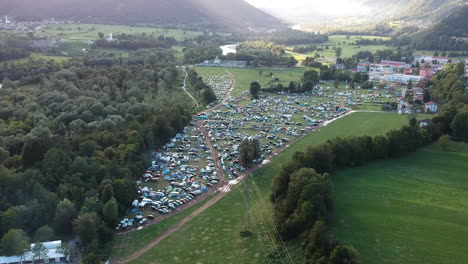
(200,53)
(375,41)
(449,89)
(73,143)
(311,78)
(287,37)
(134,42)
(14,47)
(304,49)
(264,54)
(203,92)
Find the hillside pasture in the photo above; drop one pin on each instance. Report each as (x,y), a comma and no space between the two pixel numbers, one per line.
(407,210)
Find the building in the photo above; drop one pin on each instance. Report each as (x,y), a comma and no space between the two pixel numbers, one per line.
(426,73)
(338,66)
(431,107)
(224,63)
(395,64)
(401,78)
(53,255)
(363,66)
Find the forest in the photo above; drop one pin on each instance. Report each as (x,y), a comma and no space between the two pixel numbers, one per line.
(301,194)
(75,136)
(14,47)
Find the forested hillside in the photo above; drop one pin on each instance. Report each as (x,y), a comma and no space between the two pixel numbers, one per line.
(223,13)
(439,36)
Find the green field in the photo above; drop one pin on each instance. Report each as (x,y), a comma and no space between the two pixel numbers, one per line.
(245,76)
(90,31)
(408,210)
(125,245)
(349,49)
(213,236)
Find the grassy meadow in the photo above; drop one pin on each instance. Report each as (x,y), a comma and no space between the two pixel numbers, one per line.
(408,210)
(348,46)
(213,236)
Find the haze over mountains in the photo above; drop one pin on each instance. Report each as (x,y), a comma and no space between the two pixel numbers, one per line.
(230,13)
(303,11)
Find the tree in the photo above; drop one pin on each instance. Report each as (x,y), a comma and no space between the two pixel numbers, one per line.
(255,89)
(44,233)
(15,243)
(64,249)
(110,212)
(443,142)
(39,252)
(86,227)
(107,193)
(460,125)
(344,255)
(338,52)
(208,96)
(246,151)
(100,35)
(64,216)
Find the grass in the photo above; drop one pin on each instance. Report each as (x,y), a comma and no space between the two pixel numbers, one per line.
(245,76)
(407,210)
(213,236)
(126,245)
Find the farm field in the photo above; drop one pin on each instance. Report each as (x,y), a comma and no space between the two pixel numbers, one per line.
(213,236)
(407,210)
(90,31)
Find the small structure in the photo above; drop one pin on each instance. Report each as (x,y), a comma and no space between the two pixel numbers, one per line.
(53,255)
(338,66)
(424,122)
(110,38)
(431,107)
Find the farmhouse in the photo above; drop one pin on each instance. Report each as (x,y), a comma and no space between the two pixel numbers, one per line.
(53,255)
(431,107)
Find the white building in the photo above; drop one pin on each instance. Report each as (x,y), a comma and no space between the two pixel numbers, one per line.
(431,107)
(53,256)
(402,78)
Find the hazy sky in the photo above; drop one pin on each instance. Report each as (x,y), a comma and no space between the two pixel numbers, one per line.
(326,7)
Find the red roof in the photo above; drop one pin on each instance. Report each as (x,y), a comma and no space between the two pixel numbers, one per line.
(393,63)
(430,103)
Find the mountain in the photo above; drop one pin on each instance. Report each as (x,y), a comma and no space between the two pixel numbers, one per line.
(442,35)
(226,13)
